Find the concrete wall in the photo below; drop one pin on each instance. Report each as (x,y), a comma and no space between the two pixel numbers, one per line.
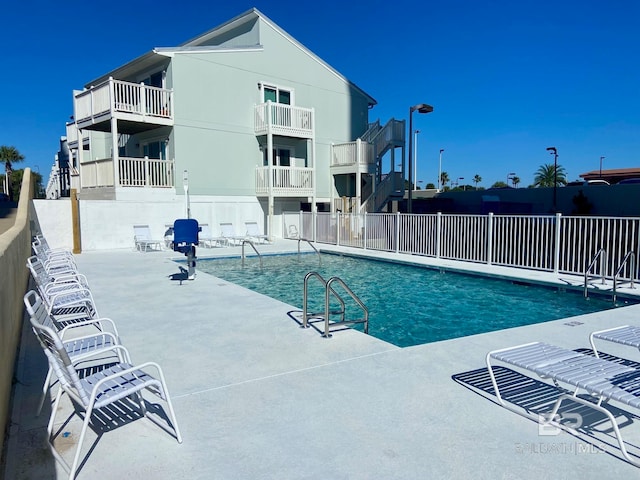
(53,219)
(15,248)
(613,200)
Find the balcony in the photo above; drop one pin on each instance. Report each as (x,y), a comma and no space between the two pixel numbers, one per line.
(352,157)
(138,106)
(132,172)
(286,181)
(284,120)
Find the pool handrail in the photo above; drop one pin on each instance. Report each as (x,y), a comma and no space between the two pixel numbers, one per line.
(632,261)
(328,288)
(305,297)
(254,249)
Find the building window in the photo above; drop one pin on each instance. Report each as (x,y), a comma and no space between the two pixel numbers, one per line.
(276,94)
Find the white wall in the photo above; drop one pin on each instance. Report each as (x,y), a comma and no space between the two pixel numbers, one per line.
(107,224)
(54,219)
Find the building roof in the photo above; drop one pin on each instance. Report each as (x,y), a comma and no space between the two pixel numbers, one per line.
(612,175)
(201,44)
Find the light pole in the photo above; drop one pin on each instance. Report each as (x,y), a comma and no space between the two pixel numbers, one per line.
(415,160)
(510,176)
(440,169)
(554,151)
(601,158)
(458,182)
(185,185)
(421,108)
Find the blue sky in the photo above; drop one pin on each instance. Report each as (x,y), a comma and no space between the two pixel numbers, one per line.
(506,78)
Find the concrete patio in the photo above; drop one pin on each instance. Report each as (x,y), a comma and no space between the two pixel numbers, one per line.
(258,397)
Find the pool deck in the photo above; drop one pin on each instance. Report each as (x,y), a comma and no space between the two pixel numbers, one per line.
(257,397)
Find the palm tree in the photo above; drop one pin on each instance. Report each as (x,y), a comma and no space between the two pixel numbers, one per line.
(477,179)
(9,155)
(515,181)
(545,175)
(444,178)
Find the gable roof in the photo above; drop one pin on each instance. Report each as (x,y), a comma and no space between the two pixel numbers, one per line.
(202,44)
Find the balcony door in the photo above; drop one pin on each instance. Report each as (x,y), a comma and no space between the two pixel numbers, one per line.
(156,150)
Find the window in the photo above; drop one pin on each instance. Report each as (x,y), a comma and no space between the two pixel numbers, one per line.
(276,94)
(156,150)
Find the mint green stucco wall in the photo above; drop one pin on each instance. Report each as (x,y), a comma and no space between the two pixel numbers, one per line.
(215,94)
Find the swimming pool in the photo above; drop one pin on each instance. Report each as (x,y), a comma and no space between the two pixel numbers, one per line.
(408,305)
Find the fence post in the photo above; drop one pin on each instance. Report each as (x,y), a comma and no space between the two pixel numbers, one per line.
(490,239)
(556,248)
(364,232)
(397,232)
(338,214)
(438,233)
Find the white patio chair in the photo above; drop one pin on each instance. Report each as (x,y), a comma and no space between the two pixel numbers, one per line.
(253,233)
(207,239)
(121,384)
(143,239)
(229,233)
(79,348)
(67,295)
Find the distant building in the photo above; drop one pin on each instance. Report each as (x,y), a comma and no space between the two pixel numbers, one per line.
(615,175)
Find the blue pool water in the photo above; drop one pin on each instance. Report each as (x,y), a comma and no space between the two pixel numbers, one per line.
(408,305)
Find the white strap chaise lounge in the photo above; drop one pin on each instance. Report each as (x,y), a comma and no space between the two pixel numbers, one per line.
(143,239)
(604,380)
(625,335)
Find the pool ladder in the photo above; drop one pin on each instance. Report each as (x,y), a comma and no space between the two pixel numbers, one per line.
(254,249)
(628,258)
(328,292)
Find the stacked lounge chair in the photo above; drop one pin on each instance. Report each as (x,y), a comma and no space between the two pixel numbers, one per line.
(85,354)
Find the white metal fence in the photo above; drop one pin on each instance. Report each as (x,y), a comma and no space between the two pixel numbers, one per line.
(540,242)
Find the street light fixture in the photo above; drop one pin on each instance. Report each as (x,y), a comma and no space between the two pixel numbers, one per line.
(601,158)
(554,151)
(421,108)
(510,177)
(415,160)
(440,169)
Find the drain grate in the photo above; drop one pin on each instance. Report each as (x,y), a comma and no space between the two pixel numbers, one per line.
(574,323)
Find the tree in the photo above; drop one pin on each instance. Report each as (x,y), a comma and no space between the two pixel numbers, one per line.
(476,180)
(9,155)
(515,181)
(499,184)
(444,178)
(544,177)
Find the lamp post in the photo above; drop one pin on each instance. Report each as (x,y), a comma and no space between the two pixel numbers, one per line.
(509,177)
(415,160)
(185,185)
(421,108)
(554,151)
(601,158)
(440,169)
(458,182)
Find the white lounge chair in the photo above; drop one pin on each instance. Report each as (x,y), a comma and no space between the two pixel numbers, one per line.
(625,335)
(293,232)
(228,232)
(143,239)
(78,348)
(121,384)
(602,379)
(208,240)
(253,233)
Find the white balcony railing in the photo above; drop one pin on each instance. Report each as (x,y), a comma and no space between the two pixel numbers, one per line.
(356,153)
(132,172)
(280,119)
(113,96)
(285,181)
